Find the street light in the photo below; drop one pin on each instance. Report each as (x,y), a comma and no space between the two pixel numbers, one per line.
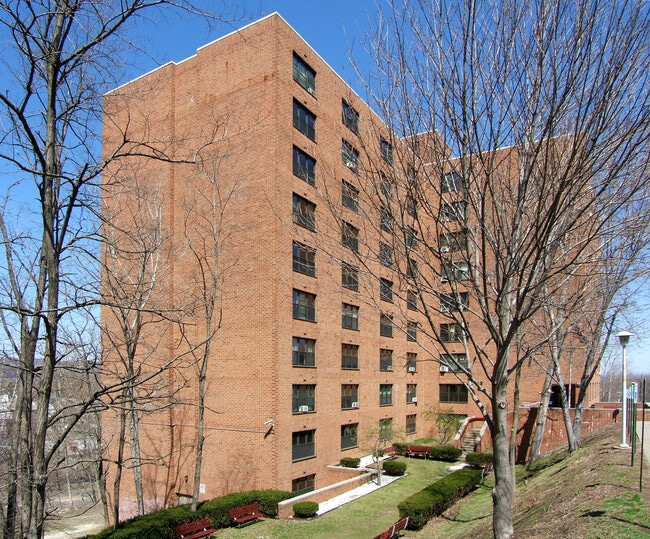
(624,338)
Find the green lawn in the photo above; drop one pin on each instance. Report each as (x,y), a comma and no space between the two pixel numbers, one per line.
(365,517)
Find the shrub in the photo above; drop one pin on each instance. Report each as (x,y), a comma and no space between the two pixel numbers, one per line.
(350,462)
(399,448)
(305,509)
(437,497)
(395,467)
(445,453)
(478,460)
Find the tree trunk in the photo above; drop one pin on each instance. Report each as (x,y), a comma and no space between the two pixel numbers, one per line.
(540,422)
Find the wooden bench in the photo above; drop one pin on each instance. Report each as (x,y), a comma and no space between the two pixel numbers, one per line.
(418,451)
(394,530)
(247,514)
(194,530)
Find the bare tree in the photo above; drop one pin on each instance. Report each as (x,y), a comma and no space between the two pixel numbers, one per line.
(57,62)
(519,132)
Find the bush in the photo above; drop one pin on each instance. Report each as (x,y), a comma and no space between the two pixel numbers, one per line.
(395,467)
(399,448)
(350,462)
(305,509)
(478,460)
(445,453)
(161,524)
(437,497)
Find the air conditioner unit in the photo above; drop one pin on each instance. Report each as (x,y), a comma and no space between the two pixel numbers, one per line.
(443,279)
(355,405)
(389,368)
(349,164)
(311,90)
(444,249)
(303,408)
(411,369)
(414,399)
(444,368)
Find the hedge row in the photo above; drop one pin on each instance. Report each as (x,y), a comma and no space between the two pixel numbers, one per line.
(478,460)
(160,524)
(437,497)
(447,453)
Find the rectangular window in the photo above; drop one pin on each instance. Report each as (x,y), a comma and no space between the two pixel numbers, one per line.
(412,331)
(385,429)
(349,356)
(452,182)
(350,277)
(453,211)
(385,394)
(304,166)
(350,117)
(451,333)
(385,360)
(350,156)
(304,120)
(304,75)
(411,237)
(411,393)
(450,303)
(303,398)
(454,271)
(412,269)
(411,424)
(454,362)
(411,205)
(303,445)
(304,259)
(386,186)
(453,393)
(304,352)
(304,212)
(411,301)
(350,237)
(302,485)
(386,255)
(386,150)
(411,362)
(453,241)
(304,306)
(350,196)
(386,325)
(386,222)
(350,316)
(349,436)
(386,290)
(349,396)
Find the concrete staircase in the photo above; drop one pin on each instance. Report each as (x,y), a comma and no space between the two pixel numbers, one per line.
(470,440)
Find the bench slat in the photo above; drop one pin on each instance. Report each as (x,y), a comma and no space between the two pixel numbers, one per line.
(194,530)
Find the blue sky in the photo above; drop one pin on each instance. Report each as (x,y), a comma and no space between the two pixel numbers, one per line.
(334,29)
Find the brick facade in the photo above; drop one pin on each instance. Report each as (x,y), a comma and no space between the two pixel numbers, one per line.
(235,99)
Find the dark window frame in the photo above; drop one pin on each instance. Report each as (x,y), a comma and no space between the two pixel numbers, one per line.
(304,74)
(304,305)
(349,196)
(350,236)
(350,317)
(303,485)
(303,395)
(304,259)
(350,156)
(385,360)
(451,182)
(386,325)
(411,362)
(350,277)
(454,302)
(349,436)
(411,424)
(412,331)
(385,394)
(303,352)
(454,362)
(386,255)
(411,393)
(452,332)
(304,212)
(453,393)
(386,290)
(303,445)
(349,395)
(304,166)
(350,117)
(386,150)
(304,120)
(349,360)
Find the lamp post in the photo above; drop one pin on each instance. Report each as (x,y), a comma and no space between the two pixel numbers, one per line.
(624,338)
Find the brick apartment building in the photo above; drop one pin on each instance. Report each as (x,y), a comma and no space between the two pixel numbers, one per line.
(319,344)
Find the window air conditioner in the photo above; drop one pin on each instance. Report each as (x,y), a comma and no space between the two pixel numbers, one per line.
(303,409)
(444,249)
(311,90)
(411,369)
(349,164)
(389,368)
(444,368)
(355,405)
(414,399)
